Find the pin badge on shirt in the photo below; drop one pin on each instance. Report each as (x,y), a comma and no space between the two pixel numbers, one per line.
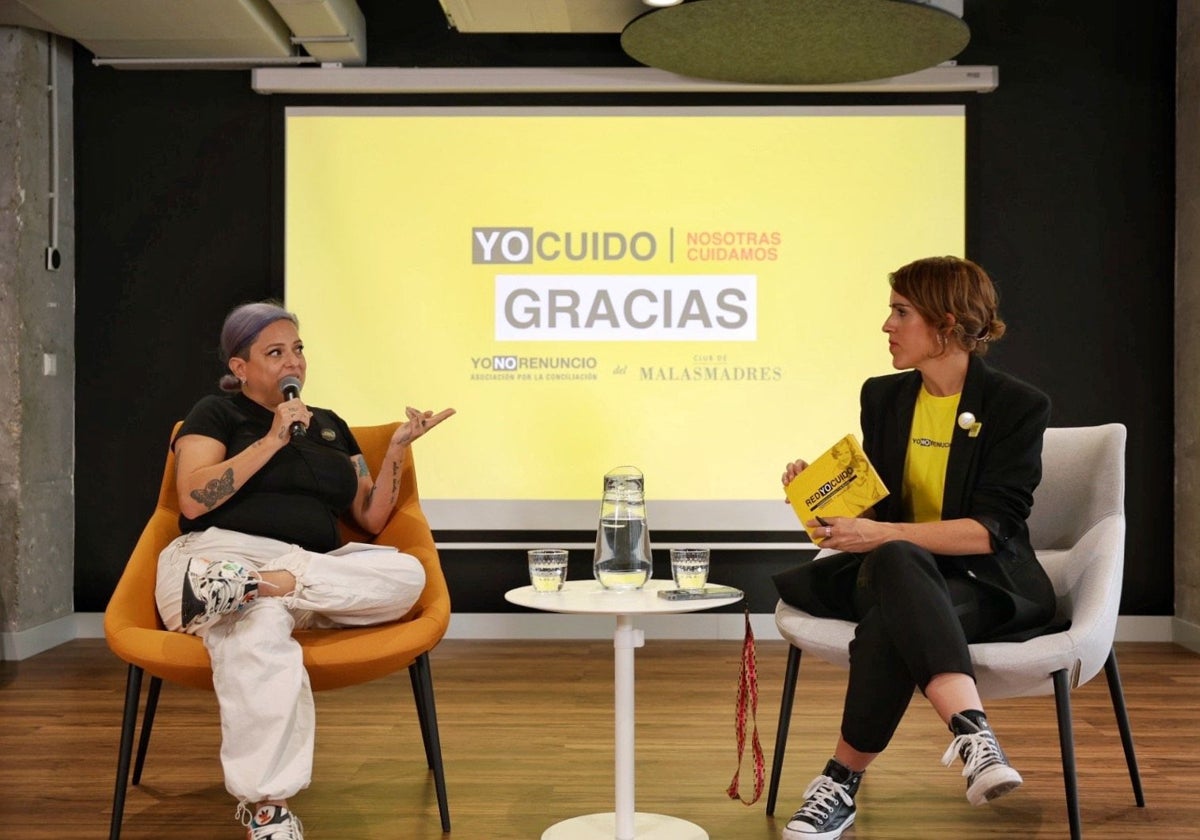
(967,421)
(328,434)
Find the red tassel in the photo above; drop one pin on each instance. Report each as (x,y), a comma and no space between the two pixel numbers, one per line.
(747,702)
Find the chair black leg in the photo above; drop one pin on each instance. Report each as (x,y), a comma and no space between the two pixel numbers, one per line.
(422,680)
(133,693)
(785,719)
(1066,742)
(419,698)
(1118,700)
(147,725)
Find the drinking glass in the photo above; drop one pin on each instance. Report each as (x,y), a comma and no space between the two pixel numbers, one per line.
(547,568)
(689,567)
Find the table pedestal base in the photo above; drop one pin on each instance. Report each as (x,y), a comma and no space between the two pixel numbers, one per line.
(604,827)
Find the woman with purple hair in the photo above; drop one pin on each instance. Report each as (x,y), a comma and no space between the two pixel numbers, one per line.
(262,481)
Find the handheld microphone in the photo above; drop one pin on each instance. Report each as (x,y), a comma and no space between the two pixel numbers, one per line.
(290,386)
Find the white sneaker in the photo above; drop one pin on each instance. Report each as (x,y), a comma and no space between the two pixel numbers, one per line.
(271,822)
(212,588)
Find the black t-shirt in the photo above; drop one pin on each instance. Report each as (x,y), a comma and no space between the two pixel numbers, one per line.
(298,495)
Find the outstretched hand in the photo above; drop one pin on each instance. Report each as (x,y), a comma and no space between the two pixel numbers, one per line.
(418,423)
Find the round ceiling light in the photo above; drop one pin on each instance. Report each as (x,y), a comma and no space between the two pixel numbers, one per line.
(795,41)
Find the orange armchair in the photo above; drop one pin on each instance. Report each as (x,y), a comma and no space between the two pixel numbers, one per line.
(334,658)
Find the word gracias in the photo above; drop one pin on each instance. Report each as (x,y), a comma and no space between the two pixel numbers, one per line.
(527,308)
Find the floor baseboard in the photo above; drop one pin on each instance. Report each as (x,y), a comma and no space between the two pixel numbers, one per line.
(724,626)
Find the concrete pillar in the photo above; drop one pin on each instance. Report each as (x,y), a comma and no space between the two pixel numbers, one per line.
(37,350)
(1187,336)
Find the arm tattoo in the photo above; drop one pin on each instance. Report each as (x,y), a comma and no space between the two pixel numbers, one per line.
(215,491)
(363,472)
(395,485)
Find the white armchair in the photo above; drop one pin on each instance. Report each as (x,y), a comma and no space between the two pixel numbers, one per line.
(1078,531)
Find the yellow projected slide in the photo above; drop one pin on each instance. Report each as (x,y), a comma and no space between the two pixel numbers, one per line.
(697,293)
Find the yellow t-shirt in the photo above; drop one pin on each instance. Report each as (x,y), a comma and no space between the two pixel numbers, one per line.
(928,454)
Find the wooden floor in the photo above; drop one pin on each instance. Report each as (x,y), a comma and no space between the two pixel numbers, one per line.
(526,731)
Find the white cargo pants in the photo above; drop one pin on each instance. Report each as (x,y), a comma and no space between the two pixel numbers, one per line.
(267,720)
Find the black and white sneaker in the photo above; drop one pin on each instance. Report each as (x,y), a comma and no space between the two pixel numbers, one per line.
(212,588)
(989,775)
(828,808)
(270,822)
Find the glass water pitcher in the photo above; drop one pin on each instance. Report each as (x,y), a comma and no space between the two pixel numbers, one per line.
(623,558)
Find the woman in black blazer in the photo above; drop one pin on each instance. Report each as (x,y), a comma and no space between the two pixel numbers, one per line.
(945,559)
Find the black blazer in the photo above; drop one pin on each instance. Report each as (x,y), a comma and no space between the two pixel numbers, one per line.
(989,478)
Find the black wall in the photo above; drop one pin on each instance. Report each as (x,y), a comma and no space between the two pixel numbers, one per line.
(1070,206)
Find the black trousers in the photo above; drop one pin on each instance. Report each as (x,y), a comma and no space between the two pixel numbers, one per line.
(915,612)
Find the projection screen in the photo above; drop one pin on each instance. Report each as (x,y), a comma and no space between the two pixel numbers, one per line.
(697,292)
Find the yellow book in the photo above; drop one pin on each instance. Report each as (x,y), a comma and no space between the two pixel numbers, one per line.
(842,482)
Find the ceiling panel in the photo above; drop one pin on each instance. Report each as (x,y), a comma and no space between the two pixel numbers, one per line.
(169,28)
(329,30)
(541,15)
(193,32)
